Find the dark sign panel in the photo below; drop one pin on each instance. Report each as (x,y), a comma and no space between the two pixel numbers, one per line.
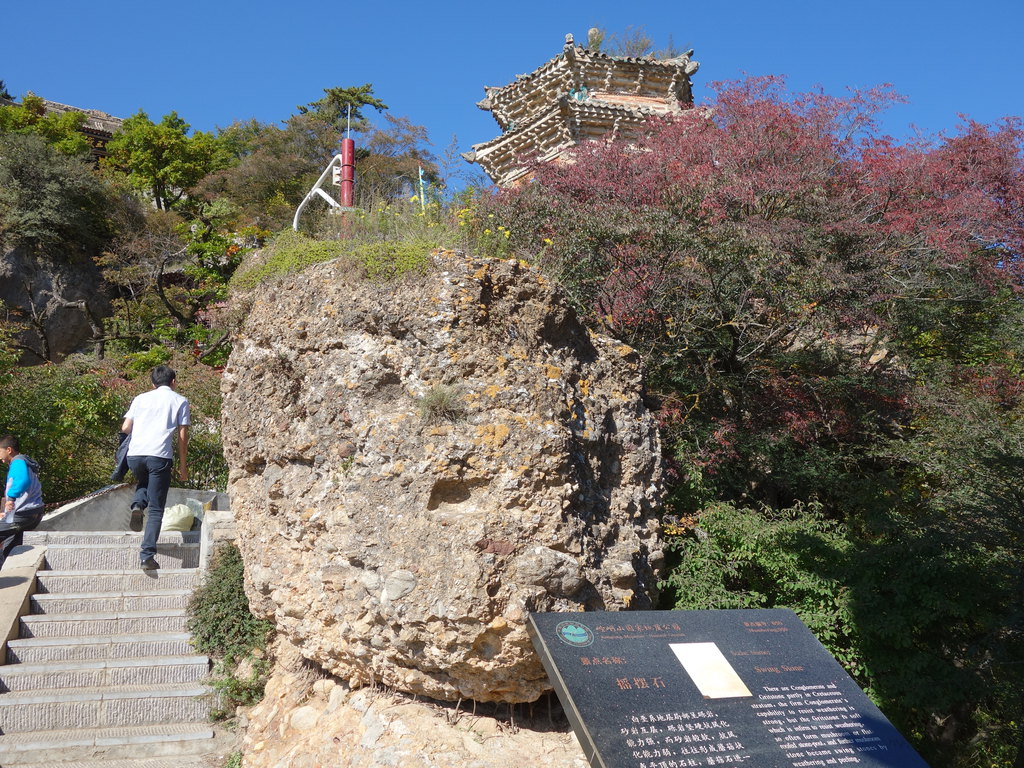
(732,688)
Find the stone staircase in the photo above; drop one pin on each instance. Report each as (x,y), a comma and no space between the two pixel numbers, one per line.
(102,673)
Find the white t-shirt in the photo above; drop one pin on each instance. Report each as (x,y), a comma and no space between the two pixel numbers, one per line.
(156,416)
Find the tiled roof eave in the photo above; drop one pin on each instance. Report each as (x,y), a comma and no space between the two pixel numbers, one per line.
(498,93)
(600,106)
(591,107)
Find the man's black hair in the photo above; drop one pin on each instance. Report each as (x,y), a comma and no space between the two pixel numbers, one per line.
(10,441)
(162,376)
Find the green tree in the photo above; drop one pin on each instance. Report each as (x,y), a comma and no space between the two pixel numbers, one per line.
(161,160)
(63,415)
(50,201)
(274,167)
(271,169)
(389,160)
(59,129)
(338,105)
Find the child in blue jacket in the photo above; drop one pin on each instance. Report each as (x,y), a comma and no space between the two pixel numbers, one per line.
(23,496)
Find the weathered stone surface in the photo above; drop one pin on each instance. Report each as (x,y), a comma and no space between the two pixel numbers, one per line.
(396,549)
(331,725)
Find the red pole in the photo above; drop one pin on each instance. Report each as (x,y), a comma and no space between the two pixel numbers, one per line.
(348,172)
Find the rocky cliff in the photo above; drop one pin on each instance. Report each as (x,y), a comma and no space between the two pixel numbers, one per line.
(415,466)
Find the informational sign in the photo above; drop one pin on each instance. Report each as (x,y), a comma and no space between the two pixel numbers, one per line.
(732,688)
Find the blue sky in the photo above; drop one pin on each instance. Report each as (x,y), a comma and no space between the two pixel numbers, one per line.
(221,60)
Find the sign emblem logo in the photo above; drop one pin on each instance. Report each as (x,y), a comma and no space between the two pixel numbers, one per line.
(574,633)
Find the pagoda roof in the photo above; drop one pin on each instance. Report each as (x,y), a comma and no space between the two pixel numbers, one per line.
(577,68)
(565,124)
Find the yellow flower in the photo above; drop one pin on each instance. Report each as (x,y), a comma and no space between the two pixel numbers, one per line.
(487,231)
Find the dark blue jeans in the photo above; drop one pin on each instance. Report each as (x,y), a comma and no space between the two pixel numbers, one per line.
(153,475)
(10,533)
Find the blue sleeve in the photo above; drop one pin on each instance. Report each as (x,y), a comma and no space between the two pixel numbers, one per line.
(17,479)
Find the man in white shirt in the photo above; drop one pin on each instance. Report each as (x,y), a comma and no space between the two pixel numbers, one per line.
(152,421)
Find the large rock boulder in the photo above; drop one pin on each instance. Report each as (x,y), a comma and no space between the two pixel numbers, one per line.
(60,301)
(416,466)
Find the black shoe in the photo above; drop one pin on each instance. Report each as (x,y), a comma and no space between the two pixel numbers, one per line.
(136,522)
(149,564)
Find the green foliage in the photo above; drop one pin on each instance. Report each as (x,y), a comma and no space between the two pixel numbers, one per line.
(442,403)
(730,557)
(219,618)
(201,385)
(49,201)
(385,261)
(338,104)
(389,161)
(65,416)
(144,362)
(273,167)
(224,628)
(287,253)
(58,129)
(244,691)
(234,760)
(942,619)
(161,159)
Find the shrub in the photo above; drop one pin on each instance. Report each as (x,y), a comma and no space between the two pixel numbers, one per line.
(385,261)
(289,252)
(66,416)
(144,362)
(442,403)
(219,618)
(201,385)
(224,628)
(730,557)
(48,200)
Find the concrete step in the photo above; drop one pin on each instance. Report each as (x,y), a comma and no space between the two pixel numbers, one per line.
(107,538)
(105,602)
(70,625)
(57,582)
(79,745)
(41,710)
(87,557)
(96,673)
(142,762)
(60,649)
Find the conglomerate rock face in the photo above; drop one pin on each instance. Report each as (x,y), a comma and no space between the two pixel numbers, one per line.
(416,466)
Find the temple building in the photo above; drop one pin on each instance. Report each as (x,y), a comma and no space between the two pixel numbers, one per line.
(578,96)
(98,127)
